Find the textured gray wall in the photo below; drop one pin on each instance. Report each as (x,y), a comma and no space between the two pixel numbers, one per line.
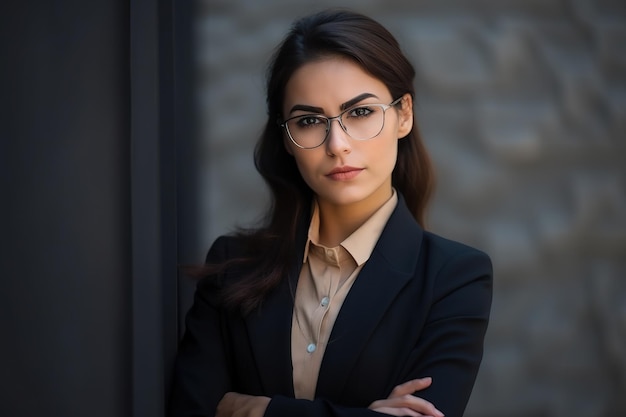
(522,104)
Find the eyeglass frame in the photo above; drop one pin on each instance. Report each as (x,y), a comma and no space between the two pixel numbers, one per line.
(329,121)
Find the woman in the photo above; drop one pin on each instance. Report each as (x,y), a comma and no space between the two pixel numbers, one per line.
(340,304)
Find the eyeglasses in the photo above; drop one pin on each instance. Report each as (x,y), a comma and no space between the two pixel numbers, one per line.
(361,122)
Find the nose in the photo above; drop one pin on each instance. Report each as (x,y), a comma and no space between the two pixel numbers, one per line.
(337,141)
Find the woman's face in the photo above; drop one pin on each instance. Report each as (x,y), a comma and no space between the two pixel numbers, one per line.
(344,171)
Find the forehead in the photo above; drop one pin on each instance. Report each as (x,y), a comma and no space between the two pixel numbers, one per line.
(329,82)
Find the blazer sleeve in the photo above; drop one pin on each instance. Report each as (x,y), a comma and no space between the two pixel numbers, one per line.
(449,348)
(201,375)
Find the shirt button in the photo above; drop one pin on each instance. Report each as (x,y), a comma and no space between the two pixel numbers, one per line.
(330,253)
(311,348)
(325,301)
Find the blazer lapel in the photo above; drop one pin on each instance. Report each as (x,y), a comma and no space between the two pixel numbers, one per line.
(388,270)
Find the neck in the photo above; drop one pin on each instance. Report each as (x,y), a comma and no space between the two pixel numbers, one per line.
(337,222)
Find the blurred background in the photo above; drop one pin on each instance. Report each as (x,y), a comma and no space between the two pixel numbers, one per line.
(522,105)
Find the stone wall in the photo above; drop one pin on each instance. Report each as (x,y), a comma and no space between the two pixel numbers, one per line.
(522,104)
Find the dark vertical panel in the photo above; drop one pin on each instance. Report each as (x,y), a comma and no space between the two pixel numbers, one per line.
(146,201)
(95,100)
(65,219)
(188,150)
(154,206)
(187,171)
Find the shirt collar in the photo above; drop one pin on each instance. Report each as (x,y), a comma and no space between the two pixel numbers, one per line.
(361,242)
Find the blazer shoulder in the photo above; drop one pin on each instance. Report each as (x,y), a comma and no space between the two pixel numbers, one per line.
(216,272)
(453,264)
(223,248)
(442,250)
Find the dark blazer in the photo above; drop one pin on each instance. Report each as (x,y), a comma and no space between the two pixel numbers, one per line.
(418,308)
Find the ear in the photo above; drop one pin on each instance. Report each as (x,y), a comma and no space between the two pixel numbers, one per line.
(405,114)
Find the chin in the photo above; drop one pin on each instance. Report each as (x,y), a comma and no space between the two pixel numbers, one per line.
(344,198)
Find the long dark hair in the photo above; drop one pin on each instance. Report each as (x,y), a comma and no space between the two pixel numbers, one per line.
(272,247)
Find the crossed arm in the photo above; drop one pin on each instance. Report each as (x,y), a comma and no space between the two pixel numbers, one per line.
(401,402)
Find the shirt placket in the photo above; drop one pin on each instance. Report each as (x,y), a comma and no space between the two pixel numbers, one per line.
(326,279)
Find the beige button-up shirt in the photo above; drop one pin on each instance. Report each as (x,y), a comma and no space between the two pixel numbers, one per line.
(326,277)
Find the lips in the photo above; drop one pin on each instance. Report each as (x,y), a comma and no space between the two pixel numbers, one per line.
(344,173)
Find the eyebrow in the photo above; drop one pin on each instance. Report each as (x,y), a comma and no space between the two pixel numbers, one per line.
(346,105)
(355,100)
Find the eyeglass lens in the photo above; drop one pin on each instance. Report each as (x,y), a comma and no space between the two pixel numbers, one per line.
(361,123)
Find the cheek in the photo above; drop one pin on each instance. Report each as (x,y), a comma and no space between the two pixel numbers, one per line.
(310,165)
(392,144)
(385,153)
(392,158)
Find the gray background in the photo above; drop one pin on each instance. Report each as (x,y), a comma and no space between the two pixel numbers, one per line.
(522,104)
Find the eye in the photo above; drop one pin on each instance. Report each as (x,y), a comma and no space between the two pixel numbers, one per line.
(310,121)
(362,111)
